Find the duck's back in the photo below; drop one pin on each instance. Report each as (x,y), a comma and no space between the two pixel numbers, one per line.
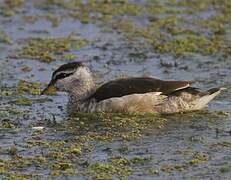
(138,85)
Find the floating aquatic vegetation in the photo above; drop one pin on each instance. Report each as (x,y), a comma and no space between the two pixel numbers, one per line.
(55,20)
(26,68)
(30,18)
(73,147)
(4,38)
(28,87)
(222,144)
(49,49)
(225,168)
(167,20)
(7,124)
(8,7)
(69,56)
(169,168)
(12,150)
(14,3)
(6,91)
(23,101)
(123,126)
(102,170)
(76,149)
(61,166)
(199,158)
(94,11)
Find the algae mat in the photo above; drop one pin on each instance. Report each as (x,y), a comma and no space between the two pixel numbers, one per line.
(168,39)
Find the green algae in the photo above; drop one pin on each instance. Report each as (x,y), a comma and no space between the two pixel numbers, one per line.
(12,150)
(69,56)
(223,113)
(125,126)
(188,44)
(30,18)
(76,149)
(33,88)
(14,3)
(169,33)
(8,8)
(39,160)
(225,169)
(167,22)
(104,10)
(156,8)
(168,168)
(196,159)
(6,91)
(4,38)
(56,155)
(199,158)
(167,38)
(153,171)
(19,176)
(195,6)
(140,160)
(7,124)
(23,101)
(123,149)
(223,144)
(26,68)
(163,33)
(61,166)
(10,167)
(116,167)
(60,156)
(49,49)
(55,20)
(18,162)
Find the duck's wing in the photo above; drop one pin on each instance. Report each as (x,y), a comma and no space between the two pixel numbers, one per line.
(140,85)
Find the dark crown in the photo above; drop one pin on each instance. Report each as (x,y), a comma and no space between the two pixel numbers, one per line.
(69,66)
(66,70)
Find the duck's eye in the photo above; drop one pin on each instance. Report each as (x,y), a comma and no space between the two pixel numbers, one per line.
(65,75)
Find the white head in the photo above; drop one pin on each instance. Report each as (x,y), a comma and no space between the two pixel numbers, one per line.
(70,76)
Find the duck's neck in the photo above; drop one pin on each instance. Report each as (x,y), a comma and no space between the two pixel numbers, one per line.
(81,91)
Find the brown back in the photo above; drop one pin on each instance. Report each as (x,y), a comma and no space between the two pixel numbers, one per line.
(139,85)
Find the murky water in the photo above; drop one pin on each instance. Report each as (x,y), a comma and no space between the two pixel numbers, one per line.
(194,145)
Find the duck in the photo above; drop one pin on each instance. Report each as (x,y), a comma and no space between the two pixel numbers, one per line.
(127,95)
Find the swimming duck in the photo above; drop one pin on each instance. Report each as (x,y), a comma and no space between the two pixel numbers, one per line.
(129,95)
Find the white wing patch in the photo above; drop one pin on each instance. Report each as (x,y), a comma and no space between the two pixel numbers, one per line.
(183,87)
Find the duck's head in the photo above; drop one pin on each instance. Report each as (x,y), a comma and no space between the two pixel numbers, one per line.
(68,76)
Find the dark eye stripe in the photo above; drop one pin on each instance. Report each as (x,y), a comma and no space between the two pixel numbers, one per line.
(62,75)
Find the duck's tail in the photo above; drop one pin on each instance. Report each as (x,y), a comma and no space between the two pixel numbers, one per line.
(205,99)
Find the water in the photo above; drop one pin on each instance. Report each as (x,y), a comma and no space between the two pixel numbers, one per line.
(181,146)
